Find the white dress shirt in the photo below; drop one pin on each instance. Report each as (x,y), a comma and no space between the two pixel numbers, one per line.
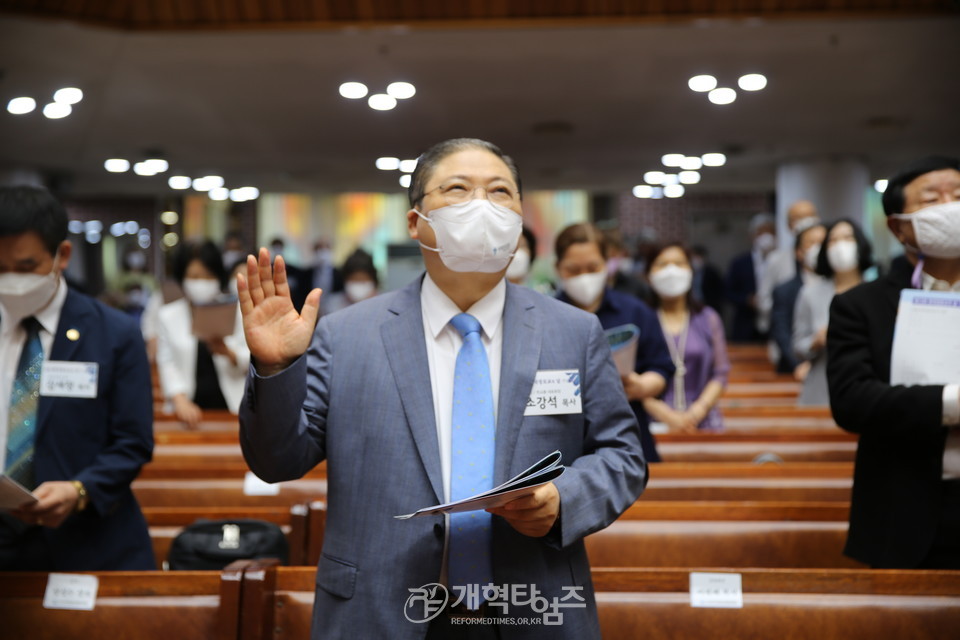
(12,340)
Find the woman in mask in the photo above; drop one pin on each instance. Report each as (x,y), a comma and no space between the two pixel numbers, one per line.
(360,282)
(199,374)
(582,266)
(694,335)
(843,258)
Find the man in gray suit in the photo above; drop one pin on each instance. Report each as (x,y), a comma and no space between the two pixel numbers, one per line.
(374,390)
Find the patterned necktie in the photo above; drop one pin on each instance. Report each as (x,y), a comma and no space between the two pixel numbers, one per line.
(22,426)
(471,460)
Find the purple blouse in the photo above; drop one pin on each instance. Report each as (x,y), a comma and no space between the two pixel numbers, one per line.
(705,359)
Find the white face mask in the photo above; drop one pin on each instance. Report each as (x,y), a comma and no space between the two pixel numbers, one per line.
(937,229)
(476,236)
(586,288)
(201,290)
(519,267)
(360,290)
(24,294)
(672,281)
(765,243)
(810,257)
(843,256)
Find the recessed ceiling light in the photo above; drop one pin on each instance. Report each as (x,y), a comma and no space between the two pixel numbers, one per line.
(179,182)
(353,90)
(387,163)
(116,165)
(702,83)
(405,181)
(144,169)
(653,177)
(713,159)
(752,82)
(169,218)
(20,106)
(407,166)
(157,165)
(57,110)
(691,163)
(723,95)
(68,95)
(672,159)
(643,191)
(673,190)
(219,193)
(881,185)
(689,177)
(401,90)
(381,102)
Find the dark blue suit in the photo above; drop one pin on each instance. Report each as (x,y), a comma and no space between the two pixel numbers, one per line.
(741,284)
(781,321)
(100,441)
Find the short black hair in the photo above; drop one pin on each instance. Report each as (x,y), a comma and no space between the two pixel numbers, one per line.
(429,159)
(893,199)
(864,250)
(26,208)
(359,262)
(531,239)
(799,238)
(206,252)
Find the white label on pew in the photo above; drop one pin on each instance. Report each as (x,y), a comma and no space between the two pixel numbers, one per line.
(71,591)
(718,590)
(254,486)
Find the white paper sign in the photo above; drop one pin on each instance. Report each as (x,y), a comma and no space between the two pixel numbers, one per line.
(555,392)
(71,591)
(254,486)
(716,590)
(926,343)
(60,379)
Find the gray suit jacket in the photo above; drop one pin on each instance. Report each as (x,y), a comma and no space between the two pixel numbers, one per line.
(361,399)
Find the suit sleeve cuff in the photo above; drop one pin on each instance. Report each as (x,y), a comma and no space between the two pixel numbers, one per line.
(951,405)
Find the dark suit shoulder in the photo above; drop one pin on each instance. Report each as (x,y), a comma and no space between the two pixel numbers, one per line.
(112,321)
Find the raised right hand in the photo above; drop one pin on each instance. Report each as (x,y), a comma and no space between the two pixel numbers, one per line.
(276,334)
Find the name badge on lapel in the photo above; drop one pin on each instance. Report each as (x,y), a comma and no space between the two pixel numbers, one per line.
(61,379)
(555,392)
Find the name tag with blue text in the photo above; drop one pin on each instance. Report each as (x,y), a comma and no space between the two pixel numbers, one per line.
(555,392)
(62,379)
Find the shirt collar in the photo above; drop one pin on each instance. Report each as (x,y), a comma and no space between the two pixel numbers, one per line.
(439,309)
(934,284)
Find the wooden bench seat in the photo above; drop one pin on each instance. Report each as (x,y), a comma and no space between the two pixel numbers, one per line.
(828,604)
(222,493)
(703,543)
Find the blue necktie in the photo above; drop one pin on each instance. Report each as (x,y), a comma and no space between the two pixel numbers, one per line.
(472,450)
(22,426)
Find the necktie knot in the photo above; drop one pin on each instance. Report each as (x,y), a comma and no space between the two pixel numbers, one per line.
(465,324)
(31,325)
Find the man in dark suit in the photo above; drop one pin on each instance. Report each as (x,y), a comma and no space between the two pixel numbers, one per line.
(807,249)
(743,275)
(76,414)
(905,510)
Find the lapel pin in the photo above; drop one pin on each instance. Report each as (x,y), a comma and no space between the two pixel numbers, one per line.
(73,335)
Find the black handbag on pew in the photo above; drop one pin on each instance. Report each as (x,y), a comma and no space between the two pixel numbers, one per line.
(213,544)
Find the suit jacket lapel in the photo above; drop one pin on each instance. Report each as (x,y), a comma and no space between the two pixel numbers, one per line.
(74,318)
(518,367)
(406,350)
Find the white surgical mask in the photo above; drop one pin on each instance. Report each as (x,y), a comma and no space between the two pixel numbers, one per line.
(201,290)
(843,256)
(23,294)
(360,290)
(765,243)
(937,229)
(810,257)
(586,288)
(474,236)
(672,281)
(519,267)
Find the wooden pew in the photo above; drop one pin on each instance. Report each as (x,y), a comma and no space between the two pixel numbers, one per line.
(222,493)
(706,543)
(184,605)
(828,604)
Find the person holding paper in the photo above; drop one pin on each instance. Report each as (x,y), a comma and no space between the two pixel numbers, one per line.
(198,373)
(694,335)
(76,406)
(581,252)
(434,393)
(905,508)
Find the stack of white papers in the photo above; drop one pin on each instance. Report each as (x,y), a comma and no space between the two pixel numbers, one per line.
(545,470)
(13,494)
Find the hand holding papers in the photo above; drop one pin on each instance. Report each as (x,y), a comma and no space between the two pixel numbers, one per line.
(545,470)
(623,346)
(13,495)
